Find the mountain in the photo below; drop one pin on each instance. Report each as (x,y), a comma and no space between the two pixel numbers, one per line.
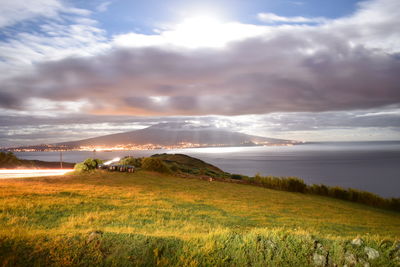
(170,134)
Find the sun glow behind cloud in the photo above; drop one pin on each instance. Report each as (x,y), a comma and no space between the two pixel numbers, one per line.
(193,32)
(197,31)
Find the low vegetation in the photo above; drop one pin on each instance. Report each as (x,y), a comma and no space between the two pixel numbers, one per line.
(294,184)
(88,165)
(183,164)
(148,219)
(158,217)
(155,164)
(176,163)
(8,161)
(136,162)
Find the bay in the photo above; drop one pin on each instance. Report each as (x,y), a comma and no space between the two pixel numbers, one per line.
(369,166)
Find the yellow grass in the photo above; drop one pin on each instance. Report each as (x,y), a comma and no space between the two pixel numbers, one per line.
(158,205)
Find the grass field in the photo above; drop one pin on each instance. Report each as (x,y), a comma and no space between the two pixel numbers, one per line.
(149,219)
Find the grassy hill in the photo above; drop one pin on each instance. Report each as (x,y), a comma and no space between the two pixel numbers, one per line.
(9,160)
(149,219)
(186,164)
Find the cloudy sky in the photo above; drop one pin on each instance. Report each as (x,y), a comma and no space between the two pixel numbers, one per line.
(307,70)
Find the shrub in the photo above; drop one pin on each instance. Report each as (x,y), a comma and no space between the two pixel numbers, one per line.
(214,174)
(294,184)
(174,167)
(80,167)
(88,165)
(339,192)
(236,176)
(155,164)
(8,159)
(257,178)
(354,195)
(319,189)
(137,162)
(394,204)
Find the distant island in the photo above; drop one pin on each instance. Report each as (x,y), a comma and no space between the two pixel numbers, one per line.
(174,135)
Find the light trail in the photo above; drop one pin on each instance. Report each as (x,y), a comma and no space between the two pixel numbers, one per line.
(112,161)
(25,173)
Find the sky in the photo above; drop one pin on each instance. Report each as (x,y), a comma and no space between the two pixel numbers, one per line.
(306,70)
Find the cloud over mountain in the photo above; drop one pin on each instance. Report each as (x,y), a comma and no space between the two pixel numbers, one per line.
(349,63)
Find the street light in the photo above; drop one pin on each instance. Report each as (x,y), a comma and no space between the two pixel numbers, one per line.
(61,159)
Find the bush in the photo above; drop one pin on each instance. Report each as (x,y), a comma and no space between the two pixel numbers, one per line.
(137,162)
(8,159)
(338,192)
(257,178)
(354,195)
(88,165)
(394,204)
(155,164)
(236,176)
(174,167)
(294,184)
(319,189)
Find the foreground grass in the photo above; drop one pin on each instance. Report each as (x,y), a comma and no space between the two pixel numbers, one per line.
(152,219)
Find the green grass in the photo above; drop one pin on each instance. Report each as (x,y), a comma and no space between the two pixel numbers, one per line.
(186,164)
(149,218)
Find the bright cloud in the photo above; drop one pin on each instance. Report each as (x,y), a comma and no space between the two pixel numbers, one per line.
(197,32)
(12,12)
(65,32)
(272,18)
(16,11)
(103,6)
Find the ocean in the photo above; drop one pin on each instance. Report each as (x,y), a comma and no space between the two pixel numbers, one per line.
(369,166)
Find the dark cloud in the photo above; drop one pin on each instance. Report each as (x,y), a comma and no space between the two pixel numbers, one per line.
(30,120)
(9,101)
(252,76)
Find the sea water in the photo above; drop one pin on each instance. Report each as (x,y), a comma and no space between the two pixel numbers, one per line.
(370,166)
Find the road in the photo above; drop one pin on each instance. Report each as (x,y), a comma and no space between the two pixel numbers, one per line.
(27,173)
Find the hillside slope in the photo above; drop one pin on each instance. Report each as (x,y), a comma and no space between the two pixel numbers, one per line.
(9,161)
(151,219)
(187,164)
